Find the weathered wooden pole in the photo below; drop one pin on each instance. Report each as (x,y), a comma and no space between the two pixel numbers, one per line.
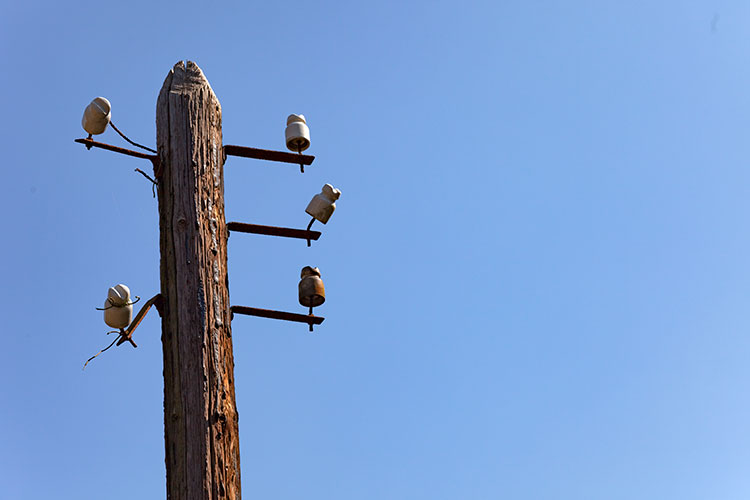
(200,413)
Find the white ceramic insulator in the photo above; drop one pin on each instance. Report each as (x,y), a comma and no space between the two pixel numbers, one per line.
(322,205)
(297,133)
(96,116)
(118,309)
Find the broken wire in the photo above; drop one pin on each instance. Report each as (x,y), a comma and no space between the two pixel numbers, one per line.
(98,353)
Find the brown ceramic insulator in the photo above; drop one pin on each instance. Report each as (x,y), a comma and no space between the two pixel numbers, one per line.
(312,293)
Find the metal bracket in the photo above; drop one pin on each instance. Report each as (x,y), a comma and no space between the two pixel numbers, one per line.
(127,334)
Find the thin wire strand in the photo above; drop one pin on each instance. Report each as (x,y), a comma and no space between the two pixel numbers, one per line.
(111,305)
(154,183)
(131,142)
(308,228)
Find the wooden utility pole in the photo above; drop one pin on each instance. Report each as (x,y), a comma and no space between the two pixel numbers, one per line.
(200,413)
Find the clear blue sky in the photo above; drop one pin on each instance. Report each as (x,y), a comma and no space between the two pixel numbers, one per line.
(538,275)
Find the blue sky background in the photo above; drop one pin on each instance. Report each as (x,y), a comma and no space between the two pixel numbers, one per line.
(537,276)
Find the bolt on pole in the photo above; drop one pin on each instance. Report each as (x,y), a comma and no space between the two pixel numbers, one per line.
(200,412)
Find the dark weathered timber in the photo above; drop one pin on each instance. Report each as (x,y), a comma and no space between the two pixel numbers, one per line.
(200,414)
(286,232)
(268,154)
(286,316)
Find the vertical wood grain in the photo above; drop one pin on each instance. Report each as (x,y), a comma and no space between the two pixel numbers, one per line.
(200,413)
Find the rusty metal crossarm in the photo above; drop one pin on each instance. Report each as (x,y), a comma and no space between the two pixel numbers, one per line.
(286,316)
(267,154)
(286,232)
(89,143)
